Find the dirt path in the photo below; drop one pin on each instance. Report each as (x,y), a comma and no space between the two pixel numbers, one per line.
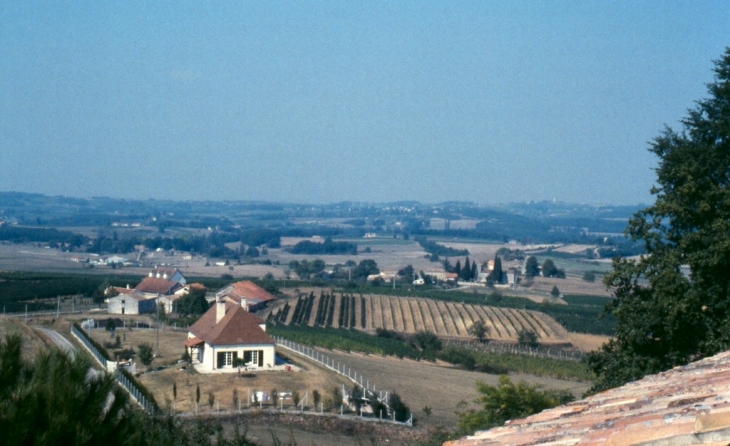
(63,343)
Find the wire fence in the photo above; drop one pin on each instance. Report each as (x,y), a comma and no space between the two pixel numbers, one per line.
(125,382)
(345,370)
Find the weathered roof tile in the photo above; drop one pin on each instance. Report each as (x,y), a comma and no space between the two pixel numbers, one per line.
(685,405)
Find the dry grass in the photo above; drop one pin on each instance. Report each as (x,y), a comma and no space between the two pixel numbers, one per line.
(420,384)
(171,346)
(222,386)
(33,342)
(587,342)
(542,286)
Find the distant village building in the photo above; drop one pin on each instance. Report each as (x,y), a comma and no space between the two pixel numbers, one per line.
(383,275)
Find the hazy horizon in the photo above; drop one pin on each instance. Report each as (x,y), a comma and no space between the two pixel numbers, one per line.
(321,102)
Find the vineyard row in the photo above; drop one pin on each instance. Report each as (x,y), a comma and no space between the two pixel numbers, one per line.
(411,315)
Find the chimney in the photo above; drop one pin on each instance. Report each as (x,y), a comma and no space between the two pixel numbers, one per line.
(220,310)
(164,276)
(151,274)
(244,305)
(158,275)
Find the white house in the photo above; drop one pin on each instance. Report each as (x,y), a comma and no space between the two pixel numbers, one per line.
(171,274)
(143,298)
(132,303)
(227,332)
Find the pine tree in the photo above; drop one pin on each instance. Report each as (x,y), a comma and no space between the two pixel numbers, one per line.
(497,273)
(465,272)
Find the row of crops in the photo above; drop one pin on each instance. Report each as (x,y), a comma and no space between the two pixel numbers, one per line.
(324,310)
(581,315)
(412,315)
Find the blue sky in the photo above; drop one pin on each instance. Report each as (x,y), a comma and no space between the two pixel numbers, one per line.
(485,101)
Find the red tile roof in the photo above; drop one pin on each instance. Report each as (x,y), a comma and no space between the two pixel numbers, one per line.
(123,290)
(192,342)
(248,290)
(155,285)
(685,405)
(238,326)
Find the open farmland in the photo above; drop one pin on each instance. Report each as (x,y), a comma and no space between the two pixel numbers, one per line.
(410,315)
(423,383)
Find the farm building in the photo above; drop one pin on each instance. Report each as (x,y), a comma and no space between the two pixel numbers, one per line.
(246,291)
(143,298)
(227,332)
(171,274)
(132,303)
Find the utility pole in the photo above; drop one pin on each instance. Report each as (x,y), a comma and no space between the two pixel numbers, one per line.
(158,332)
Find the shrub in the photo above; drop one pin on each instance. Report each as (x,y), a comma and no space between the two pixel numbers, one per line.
(145,353)
(527,337)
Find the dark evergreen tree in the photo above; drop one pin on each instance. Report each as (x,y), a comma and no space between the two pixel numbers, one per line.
(532,268)
(465,272)
(664,316)
(497,274)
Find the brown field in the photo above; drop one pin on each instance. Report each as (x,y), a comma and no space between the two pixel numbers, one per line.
(446,319)
(420,384)
(571,285)
(587,342)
